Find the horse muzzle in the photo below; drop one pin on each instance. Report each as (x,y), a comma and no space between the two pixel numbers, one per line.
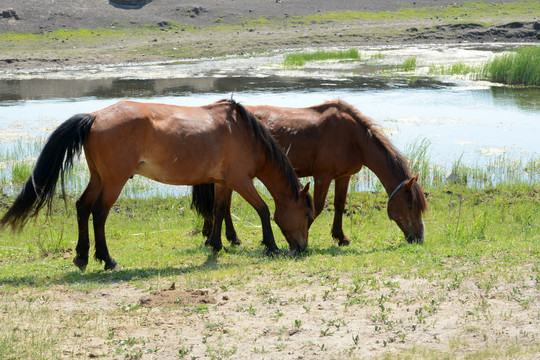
(298,248)
(415,238)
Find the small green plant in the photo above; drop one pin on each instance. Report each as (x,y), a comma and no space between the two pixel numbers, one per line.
(184,351)
(326,332)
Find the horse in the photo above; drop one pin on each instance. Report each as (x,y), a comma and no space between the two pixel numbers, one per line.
(220,143)
(333,141)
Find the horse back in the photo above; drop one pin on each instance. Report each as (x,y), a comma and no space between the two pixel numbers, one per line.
(167,143)
(318,139)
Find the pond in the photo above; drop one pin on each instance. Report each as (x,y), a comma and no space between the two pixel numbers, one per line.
(462,120)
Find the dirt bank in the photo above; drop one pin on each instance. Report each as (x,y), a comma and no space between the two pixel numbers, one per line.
(215,28)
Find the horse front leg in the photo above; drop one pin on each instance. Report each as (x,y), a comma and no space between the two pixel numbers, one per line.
(247,190)
(340,199)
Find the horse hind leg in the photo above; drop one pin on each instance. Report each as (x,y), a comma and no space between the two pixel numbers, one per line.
(84,207)
(340,198)
(230,232)
(222,193)
(100,211)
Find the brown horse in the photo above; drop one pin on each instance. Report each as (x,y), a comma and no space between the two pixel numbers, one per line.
(220,143)
(332,141)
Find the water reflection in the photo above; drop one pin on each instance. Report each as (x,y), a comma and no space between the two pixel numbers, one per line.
(524,98)
(43,89)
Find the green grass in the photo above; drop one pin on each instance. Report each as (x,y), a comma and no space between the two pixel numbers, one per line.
(459,68)
(300,59)
(409,64)
(516,68)
(473,237)
(460,11)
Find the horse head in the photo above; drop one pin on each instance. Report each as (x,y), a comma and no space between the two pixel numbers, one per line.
(405,206)
(294,219)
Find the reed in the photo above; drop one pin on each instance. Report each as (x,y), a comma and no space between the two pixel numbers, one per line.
(521,67)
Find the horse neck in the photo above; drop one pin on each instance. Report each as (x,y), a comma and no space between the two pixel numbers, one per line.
(377,161)
(277,184)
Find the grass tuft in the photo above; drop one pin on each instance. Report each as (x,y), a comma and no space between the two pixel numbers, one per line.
(300,59)
(409,64)
(517,68)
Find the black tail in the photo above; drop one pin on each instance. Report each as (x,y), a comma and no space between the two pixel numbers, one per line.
(202,199)
(64,144)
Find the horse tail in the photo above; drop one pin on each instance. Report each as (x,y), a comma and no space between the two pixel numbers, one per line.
(202,199)
(56,158)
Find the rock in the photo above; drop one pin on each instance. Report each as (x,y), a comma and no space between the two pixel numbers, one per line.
(9,14)
(129,4)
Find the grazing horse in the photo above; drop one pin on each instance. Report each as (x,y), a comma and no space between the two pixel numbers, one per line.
(332,141)
(220,143)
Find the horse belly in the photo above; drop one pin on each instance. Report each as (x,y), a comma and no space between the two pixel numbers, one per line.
(179,171)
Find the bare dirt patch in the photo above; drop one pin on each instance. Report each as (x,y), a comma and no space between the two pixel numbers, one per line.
(306,318)
(171,296)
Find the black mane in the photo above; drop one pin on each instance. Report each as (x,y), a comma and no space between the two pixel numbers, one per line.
(275,155)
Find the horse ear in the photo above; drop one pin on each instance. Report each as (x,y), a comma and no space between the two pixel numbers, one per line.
(411,182)
(305,189)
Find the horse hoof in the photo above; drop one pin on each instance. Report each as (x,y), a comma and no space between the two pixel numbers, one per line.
(80,263)
(113,266)
(344,242)
(272,252)
(236,241)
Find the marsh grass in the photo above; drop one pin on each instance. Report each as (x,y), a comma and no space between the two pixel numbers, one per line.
(300,59)
(409,64)
(521,67)
(459,68)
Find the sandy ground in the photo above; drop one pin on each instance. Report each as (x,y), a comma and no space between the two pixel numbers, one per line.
(47,15)
(312,319)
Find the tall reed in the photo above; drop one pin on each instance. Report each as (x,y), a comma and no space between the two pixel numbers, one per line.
(517,68)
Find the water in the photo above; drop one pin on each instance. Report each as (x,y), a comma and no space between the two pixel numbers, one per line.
(471,121)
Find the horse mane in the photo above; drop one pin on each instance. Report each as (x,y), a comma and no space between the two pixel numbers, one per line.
(276,156)
(397,162)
